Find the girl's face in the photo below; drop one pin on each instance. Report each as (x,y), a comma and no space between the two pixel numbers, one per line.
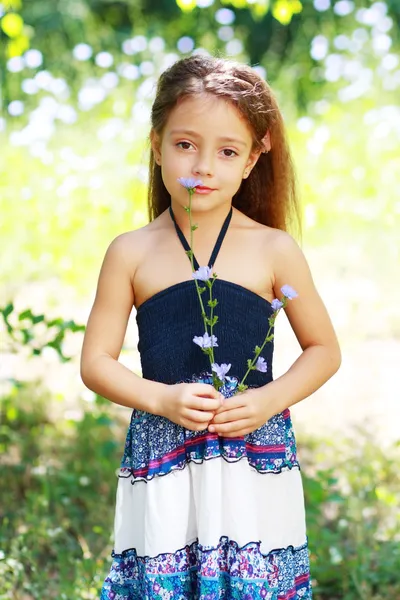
(206,138)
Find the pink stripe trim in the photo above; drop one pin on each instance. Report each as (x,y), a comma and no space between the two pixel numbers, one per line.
(289,595)
(302,578)
(159,461)
(261,449)
(293,592)
(212,437)
(200,438)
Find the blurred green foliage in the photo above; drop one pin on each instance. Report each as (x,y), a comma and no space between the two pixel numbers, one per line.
(277,34)
(58,487)
(77,81)
(76,109)
(351,491)
(58,481)
(52,335)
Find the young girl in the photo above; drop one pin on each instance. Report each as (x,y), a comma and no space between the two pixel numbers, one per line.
(210,500)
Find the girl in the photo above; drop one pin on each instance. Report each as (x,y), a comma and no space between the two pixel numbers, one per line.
(210,500)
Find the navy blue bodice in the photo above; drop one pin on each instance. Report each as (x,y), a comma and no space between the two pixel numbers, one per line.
(169,320)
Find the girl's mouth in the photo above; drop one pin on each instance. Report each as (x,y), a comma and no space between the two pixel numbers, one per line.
(203,190)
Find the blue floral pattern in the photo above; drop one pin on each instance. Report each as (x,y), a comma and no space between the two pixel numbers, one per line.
(211,573)
(155,446)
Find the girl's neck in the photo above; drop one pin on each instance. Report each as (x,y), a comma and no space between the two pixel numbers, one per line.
(209,221)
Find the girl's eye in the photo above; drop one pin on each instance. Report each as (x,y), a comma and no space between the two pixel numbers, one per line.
(230,150)
(184,143)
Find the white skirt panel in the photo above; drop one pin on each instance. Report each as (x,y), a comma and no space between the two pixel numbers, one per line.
(206,501)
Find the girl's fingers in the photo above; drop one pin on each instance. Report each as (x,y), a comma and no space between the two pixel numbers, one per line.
(236,434)
(235,402)
(228,416)
(198,416)
(192,426)
(205,404)
(232,429)
(204,389)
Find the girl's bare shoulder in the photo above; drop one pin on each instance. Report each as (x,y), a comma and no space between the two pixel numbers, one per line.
(133,245)
(273,239)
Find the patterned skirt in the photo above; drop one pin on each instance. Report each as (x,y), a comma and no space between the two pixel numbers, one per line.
(202,517)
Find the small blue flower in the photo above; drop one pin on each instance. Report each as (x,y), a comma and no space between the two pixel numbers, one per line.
(276,304)
(205,341)
(202,273)
(261,365)
(289,292)
(189,182)
(221,370)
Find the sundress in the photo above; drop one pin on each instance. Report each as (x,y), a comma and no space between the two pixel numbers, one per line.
(199,516)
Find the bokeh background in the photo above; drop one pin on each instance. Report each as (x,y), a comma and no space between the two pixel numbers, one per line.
(77,83)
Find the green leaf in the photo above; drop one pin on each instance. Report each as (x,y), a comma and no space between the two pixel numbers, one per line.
(201,289)
(257,350)
(194,227)
(26,314)
(217,383)
(189,253)
(12,25)
(283,10)
(207,351)
(7,310)
(242,387)
(186,5)
(214,321)
(212,303)
(37,319)
(186,208)
(55,322)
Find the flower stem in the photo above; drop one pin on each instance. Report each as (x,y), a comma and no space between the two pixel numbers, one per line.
(211,323)
(203,312)
(257,354)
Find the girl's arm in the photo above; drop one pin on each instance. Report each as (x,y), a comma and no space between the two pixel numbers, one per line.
(312,326)
(190,405)
(105,332)
(321,356)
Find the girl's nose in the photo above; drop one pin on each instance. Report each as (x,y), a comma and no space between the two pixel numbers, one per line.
(203,166)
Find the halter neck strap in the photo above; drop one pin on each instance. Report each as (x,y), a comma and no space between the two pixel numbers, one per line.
(218,243)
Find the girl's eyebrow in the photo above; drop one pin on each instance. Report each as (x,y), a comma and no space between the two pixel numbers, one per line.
(194,134)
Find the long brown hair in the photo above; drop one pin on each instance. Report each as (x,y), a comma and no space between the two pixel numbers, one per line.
(269,194)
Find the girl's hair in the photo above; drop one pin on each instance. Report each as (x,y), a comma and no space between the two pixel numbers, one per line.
(269,194)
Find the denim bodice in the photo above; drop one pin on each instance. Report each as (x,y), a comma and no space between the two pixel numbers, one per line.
(168,321)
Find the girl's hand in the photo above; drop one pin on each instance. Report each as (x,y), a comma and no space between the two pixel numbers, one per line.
(191,405)
(241,414)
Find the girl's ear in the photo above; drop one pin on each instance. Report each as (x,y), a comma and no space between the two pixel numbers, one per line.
(254,156)
(155,146)
(251,161)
